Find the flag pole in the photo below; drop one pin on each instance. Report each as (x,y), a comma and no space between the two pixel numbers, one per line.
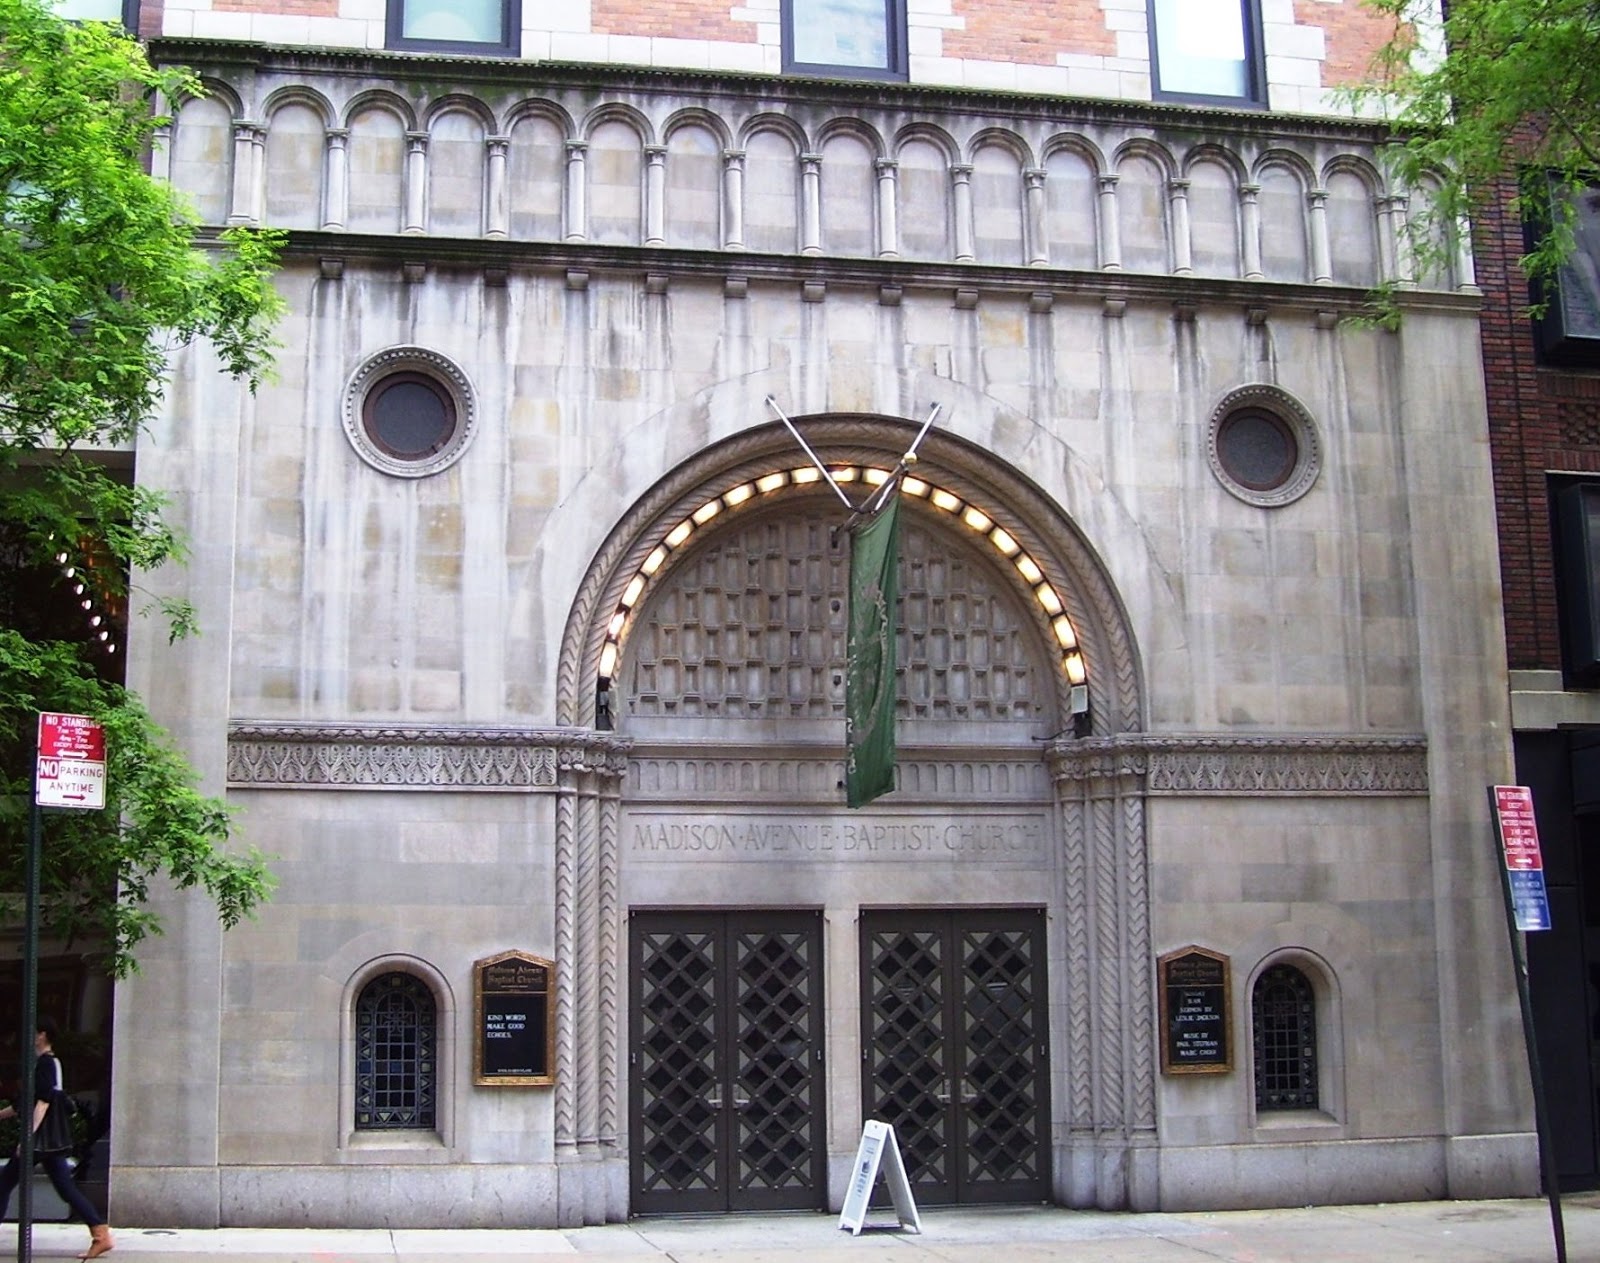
(909,459)
(821,468)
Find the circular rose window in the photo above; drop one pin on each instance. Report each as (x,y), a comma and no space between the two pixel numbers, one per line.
(1263,446)
(409,412)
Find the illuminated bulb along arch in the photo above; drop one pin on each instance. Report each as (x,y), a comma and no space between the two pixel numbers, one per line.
(970,516)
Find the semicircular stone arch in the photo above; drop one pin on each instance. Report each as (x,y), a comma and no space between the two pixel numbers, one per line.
(706,629)
(1036,522)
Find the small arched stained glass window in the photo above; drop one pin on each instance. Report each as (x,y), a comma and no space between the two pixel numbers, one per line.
(397,1068)
(1283,1015)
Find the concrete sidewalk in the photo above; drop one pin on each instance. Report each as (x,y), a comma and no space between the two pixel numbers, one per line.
(1413,1232)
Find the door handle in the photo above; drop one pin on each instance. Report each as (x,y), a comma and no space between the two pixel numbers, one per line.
(715,1100)
(943,1094)
(741,1102)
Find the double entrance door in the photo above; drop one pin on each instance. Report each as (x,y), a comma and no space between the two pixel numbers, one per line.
(726,1065)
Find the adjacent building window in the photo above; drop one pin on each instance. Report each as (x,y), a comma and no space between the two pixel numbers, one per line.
(489,27)
(1577,506)
(124,11)
(1569,330)
(857,39)
(1283,1017)
(397,1065)
(1207,51)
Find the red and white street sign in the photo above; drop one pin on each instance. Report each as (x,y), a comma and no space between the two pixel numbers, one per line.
(72,762)
(1519,843)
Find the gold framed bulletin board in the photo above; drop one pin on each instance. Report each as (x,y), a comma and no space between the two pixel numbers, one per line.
(513,1025)
(1196,1012)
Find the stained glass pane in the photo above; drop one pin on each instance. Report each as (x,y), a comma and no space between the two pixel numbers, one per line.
(396,1046)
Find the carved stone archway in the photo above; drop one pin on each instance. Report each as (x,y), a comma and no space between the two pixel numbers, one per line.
(1107,1029)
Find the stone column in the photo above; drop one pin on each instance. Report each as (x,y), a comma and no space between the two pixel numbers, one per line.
(588,1120)
(1321,256)
(1250,223)
(1461,250)
(1038,244)
(655,195)
(810,203)
(888,214)
(497,220)
(733,199)
(161,139)
(577,190)
(1111,1021)
(1110,231)
(1182,247)
(416,220)
(249,144)
(961,178)
(336,199)
(1398,259)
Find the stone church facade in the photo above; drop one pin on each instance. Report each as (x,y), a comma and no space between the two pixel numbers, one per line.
(523,628)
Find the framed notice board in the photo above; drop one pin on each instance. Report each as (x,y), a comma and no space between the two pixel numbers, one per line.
(513,1026)
(1196,1012)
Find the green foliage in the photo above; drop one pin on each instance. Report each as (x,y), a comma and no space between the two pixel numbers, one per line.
(104,274)
(1502,91)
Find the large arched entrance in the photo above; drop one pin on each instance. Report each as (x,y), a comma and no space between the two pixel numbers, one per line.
(753,968)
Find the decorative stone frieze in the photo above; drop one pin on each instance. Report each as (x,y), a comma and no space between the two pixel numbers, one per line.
(1251,766)
(315,756)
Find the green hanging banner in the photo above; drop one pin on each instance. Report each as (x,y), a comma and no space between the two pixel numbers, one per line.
(869,691)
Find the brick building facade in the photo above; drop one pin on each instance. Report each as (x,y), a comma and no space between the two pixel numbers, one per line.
(1542,382)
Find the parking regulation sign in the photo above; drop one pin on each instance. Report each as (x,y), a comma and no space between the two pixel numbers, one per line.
(72,762)
(1519,845)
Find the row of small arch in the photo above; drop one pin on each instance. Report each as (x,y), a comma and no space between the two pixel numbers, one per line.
(1144,208)
(881,144)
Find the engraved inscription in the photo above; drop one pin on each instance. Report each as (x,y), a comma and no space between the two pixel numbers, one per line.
(996,838)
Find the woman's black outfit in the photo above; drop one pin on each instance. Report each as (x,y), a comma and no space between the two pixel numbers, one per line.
(46,1078)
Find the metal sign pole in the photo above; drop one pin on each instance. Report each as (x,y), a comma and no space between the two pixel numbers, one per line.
(1541,1118)
(30,1015)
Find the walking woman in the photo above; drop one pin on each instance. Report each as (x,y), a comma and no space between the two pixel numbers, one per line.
(47,1096)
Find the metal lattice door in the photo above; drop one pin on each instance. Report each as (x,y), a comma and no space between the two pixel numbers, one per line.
(726,1071)
(955,1049)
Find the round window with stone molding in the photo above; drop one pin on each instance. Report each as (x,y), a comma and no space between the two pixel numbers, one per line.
(409,412)
(1263,446)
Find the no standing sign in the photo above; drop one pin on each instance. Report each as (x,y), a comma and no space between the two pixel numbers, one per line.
(72,762)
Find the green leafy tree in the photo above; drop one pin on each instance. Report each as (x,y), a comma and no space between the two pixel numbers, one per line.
(104,273)
(1498,99)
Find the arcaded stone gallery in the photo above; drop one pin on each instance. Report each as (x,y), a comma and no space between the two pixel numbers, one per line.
(524,633)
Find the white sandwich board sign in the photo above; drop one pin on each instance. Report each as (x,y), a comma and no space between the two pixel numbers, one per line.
(878,1151)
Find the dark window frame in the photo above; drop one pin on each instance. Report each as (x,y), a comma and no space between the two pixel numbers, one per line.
(510,44)
(1575,513)
(422,1113)
(1230,459)
(372,422)
(1272,1044)
(898,69)
(1255,63)
(1554,341)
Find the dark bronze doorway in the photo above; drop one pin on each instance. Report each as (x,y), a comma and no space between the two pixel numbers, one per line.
(955,1049)
(726,1062)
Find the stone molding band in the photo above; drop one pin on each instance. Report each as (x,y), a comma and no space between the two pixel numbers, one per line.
(1180,766)
(310,756)
(314,756)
